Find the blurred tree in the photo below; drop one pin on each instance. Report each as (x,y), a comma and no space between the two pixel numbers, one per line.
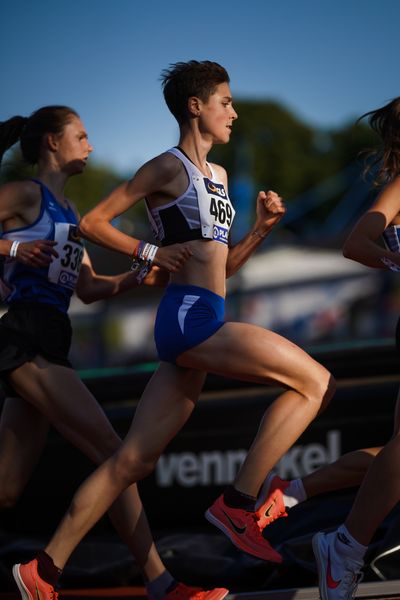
(310,167)
(283,152)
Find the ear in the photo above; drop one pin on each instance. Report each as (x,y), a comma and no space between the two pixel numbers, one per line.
(51,141)
(194,105)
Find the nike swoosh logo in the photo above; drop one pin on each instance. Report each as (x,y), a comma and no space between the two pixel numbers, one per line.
(332,584)
(238,529)
(268,511)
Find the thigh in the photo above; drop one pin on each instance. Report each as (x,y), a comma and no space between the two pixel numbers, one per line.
(165,406)
(61,396)
(251,353)
(23,435)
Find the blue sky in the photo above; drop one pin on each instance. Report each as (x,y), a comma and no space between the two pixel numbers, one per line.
(328,61)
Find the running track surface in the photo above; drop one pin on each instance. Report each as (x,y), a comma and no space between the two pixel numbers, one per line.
(382,590)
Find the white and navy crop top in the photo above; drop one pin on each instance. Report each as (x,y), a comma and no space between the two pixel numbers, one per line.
(50,285)
(204,211)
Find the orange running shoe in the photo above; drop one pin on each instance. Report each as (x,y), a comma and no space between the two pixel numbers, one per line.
(243,530)
(274,505)
(184,592)
(31,586)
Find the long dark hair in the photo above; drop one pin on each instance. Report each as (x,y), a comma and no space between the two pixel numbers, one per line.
(31,130)
(385,122)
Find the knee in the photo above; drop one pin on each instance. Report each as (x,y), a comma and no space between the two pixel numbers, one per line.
(132,466)
(321,389)
(328,391)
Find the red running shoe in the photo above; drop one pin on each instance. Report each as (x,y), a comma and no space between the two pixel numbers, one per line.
(184,592)
(31,586)
(243,530)
(274,505)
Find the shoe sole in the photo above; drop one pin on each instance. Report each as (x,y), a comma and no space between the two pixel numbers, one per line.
(217,594)
(21,586)
(320,566)
(210,517)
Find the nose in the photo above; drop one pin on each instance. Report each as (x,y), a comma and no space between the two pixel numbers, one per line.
(90,147)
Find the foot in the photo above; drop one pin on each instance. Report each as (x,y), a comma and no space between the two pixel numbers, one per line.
(184,592)
(243,530)
(273,506)
(338,575)
(31,586)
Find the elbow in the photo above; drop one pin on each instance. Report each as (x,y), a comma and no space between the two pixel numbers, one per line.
(85,227)
(86,298)
(349,250)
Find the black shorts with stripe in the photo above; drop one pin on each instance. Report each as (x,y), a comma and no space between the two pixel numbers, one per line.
(29,329)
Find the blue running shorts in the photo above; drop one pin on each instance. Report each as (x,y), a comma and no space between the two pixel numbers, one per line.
(187,315)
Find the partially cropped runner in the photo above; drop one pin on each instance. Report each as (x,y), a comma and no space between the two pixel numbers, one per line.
(340,554)
(44,263)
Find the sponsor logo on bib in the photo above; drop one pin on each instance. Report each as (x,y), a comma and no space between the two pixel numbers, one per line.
(220,234)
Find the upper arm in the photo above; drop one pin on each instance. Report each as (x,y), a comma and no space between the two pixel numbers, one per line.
(15,198)
(151,178)
(381,214)
(86,274)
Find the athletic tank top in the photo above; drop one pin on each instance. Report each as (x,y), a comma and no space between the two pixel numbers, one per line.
(50,285)
(204,211)
(391,238)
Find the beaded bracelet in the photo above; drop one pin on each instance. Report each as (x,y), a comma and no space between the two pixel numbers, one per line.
(14,248)
(143,257)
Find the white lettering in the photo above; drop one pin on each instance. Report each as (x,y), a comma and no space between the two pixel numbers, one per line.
(220,467)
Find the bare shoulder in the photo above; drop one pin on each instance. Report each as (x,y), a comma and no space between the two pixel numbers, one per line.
(389,196)
(157,173)
(20,192)
(167,166)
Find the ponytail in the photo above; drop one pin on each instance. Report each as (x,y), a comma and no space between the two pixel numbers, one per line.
(10,133)
(31,131)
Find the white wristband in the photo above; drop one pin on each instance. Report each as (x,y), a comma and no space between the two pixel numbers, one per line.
(14,248)
(152,252)
(148,252)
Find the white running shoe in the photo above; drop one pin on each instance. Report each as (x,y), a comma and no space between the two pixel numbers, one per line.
(338,579)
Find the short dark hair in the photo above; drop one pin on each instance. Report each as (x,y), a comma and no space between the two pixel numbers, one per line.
(31,130)
(193,78)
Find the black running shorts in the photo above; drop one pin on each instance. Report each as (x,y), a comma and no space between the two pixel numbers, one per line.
(29,329)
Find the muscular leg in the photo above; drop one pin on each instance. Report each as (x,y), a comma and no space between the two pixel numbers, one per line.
(23,434)
(380,489)
(378,494)
(348,471)
(250,353)
(165,406)
(59,394)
